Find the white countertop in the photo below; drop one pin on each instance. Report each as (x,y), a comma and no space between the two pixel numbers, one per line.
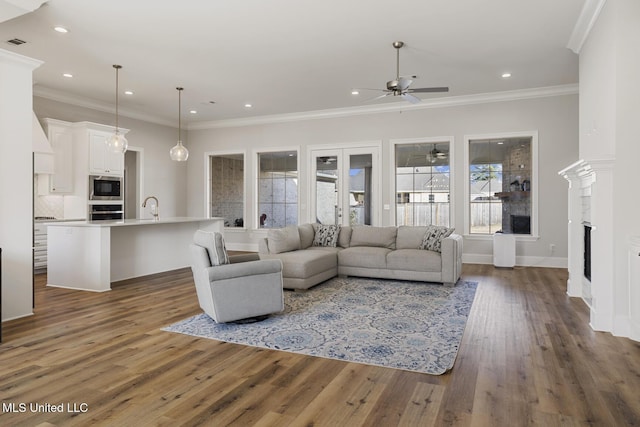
(131,222)
(42,221)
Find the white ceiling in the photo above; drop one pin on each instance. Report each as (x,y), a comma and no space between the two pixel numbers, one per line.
(286,56)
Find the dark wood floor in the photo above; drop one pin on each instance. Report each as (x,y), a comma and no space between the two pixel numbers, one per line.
(528,357)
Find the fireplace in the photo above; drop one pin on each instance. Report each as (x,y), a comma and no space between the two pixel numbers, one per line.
(520,224)
(587,252)
(590,239)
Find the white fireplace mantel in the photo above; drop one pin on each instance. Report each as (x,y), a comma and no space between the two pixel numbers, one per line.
(590,200)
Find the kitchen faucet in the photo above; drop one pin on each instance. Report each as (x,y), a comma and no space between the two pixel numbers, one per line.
(155,211)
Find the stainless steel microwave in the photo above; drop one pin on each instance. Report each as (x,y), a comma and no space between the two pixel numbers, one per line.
(105,188)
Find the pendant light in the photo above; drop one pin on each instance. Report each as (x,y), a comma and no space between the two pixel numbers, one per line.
(117,143)
(179,152)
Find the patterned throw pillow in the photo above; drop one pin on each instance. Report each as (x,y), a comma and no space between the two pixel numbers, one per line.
(432,240)
(326,235)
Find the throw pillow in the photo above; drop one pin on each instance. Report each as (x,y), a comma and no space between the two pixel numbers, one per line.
(376,237)
(344,237)
(326,235)
(432,240)
(214,243)
(283,239)
(307,233)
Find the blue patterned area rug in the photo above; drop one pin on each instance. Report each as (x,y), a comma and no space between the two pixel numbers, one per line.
(395,324)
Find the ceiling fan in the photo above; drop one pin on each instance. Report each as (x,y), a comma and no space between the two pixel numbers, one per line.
(327,160)
(401,85)
(435,154)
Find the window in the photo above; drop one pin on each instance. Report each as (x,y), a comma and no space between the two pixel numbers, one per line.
(500,173)
(227,188)
(277,189)
(422,183)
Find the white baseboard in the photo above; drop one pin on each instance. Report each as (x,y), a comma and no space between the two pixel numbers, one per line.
(622,327)
(521,261)
(17,317)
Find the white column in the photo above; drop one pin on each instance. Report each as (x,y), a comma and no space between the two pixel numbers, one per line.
(602,246)
(16,183)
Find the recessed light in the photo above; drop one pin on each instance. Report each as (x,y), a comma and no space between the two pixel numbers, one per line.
(355,92)
(193,111)
(248,105)
(60,29)
(128,92)
(67,75)
(506,75)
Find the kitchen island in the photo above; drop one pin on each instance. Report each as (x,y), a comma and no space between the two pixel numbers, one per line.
(90,255)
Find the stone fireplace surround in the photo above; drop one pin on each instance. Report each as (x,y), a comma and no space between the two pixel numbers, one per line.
(590,201)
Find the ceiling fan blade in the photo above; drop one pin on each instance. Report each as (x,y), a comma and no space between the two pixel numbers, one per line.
(428,89)
(378,97)
(404,83)
(412,99)
(369,88)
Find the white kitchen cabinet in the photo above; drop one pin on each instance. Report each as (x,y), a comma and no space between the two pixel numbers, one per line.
(101,160)
(61,139)
(39,246)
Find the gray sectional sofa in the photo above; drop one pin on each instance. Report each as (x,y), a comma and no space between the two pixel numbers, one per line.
(310,257)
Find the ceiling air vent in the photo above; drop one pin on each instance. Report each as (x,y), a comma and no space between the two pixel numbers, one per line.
(16,42)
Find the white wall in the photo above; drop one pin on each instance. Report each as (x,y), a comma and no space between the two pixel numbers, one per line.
(16,183)
(555,118)
(610,129)
(162,177)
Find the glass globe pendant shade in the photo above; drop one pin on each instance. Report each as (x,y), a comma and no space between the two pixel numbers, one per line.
(179,152)
(117,143)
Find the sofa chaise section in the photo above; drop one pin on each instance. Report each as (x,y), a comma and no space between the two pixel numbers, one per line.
(304,265)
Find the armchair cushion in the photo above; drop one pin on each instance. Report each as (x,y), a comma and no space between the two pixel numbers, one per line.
(214,243)
(244,269)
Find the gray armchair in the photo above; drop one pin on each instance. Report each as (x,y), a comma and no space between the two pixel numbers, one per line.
(229,291)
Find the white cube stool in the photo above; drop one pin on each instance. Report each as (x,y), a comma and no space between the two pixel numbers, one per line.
(504,250)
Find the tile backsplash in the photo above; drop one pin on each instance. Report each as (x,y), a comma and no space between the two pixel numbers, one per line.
(50,205)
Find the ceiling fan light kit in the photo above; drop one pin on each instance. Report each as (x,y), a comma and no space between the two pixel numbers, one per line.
(117,143)
(179,152)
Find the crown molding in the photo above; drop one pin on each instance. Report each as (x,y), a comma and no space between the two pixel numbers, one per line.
(15,58)
(452,101)
(584,24)
(54,95)
(10,9)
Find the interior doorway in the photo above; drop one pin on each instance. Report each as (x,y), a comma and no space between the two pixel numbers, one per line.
(133,188)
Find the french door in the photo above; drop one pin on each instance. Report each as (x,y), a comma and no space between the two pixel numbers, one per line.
(344,188)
